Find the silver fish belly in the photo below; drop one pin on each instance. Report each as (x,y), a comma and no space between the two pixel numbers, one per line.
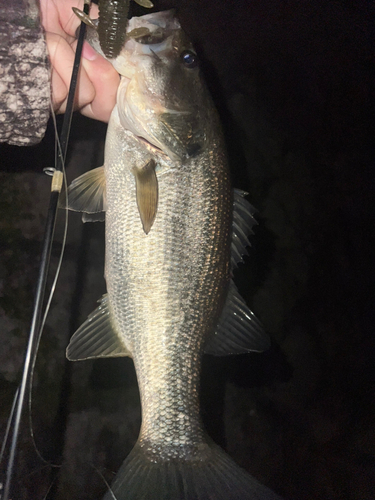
(172,238)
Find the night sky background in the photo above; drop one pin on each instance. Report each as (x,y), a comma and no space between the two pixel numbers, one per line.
(294,84)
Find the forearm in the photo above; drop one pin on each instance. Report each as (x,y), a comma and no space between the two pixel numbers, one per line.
(24,74)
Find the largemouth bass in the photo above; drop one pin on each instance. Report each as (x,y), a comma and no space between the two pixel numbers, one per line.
(172,238)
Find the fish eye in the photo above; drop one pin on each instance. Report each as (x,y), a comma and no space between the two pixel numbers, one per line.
(189,59)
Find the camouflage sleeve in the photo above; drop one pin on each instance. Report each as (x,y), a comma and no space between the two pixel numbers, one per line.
(24,74)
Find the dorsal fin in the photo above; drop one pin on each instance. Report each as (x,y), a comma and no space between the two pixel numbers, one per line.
(96,337)
(239,330)
(87,194)
(243,222)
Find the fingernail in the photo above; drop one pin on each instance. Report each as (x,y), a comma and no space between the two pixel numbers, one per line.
(88,52)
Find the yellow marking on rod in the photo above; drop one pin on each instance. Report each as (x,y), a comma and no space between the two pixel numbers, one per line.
(57,181)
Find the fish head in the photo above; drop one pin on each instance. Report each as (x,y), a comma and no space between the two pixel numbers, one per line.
(162,99)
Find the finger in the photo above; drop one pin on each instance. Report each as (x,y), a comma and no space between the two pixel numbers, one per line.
(61,56)
(58,17)
(69,21)
(62,60)
(105,80)
(49,15)
(60,91)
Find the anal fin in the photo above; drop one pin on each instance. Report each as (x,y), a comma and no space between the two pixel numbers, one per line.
(96,337)
(239,330)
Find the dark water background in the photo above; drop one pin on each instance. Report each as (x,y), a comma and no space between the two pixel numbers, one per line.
(294,84)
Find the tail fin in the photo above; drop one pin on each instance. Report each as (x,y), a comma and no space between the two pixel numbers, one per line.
(216,477)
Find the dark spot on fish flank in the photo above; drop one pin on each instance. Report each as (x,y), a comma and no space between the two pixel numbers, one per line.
(193,149)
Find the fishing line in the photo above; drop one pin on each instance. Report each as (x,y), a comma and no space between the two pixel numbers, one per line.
(105,481)
(9,423)
(49,489)
(49,171)
(35,328)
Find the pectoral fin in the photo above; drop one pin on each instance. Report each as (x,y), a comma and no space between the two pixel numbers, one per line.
(87,194)
(96,337)
(147,193)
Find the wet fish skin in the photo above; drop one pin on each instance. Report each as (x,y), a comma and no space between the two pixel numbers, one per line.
(167,285)
(167,288)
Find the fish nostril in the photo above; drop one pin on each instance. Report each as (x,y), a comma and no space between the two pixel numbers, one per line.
(193,149)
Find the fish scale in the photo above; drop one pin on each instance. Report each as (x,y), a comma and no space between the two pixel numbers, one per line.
(174,277)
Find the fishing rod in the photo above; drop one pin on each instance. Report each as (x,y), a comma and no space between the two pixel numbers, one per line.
(36,324)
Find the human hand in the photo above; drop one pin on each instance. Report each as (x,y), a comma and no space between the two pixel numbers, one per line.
(98,80)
